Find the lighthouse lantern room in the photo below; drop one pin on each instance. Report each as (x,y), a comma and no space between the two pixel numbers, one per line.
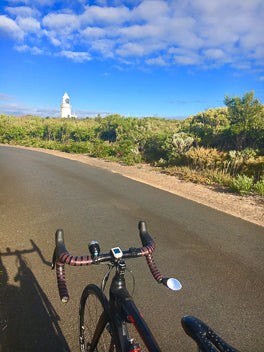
(65,106)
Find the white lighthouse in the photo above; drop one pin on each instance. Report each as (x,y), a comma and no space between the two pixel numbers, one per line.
(65,106)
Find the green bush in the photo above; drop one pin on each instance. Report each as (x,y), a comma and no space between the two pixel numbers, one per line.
(259,188)
(152,148)
(242,184)
(102,150)
(75,147)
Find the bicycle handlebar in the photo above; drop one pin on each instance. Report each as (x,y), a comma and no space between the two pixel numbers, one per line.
(61,257)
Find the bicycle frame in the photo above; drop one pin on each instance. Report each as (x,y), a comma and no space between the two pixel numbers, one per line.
(121,310)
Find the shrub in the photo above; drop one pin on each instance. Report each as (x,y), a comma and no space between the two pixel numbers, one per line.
(242,184)
(201,158)
(254,167)
(187,174)
(102,150)
(175,146)
(152,148)
(259,188)
(217,177)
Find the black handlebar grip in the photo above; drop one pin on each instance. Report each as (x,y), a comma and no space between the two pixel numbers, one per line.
(144,235)
(61,279)
(60,245)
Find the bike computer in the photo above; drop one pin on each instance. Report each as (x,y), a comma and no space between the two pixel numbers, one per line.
(117,253)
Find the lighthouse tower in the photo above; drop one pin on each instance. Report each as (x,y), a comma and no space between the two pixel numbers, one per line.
(65,106)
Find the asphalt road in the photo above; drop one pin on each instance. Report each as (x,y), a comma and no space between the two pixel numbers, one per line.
(217,258)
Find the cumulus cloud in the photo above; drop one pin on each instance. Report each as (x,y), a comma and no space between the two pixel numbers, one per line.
(39,3)
(131,49)
(159,61)
(105,15)
(186,59)
(76,56)
(28,24)
(217,56)
(61,22)
(140,32)
(104,46)
(23,11)
(151,11)
(8,27)
(202,33)
(51,35)
(93,33)
(33,50)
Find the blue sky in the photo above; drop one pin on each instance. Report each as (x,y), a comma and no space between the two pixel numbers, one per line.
(170,58)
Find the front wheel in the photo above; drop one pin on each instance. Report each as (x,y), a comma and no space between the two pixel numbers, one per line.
(95,328)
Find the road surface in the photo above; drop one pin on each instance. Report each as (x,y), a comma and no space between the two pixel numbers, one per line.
(217,258)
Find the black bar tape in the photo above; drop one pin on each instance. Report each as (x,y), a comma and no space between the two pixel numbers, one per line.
(61,280)
(153,268)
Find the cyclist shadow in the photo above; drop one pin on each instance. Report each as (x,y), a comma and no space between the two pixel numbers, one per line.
(28,321)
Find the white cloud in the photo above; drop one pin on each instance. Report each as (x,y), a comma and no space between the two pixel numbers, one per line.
(131,49)
(159,61)
(23,11)
(19,109)
(187,60)
(76,56)
(151,11)
(62,22)
(215,54)
(93,32)
(28,24)
(51,35)
(5,97)
(259,53)
(62,29)
(104,46)
(201,32)
(105,15)
(39,3)
(139,32)
(33,50)
(184,56)
(9,28)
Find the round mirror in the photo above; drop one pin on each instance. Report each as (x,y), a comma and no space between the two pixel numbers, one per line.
(173,284)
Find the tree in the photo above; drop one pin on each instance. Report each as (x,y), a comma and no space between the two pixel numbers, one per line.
(246,115)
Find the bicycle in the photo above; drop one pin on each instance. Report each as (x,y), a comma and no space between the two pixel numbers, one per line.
(109,320)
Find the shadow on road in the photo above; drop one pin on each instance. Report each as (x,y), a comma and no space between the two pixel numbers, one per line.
(28,321)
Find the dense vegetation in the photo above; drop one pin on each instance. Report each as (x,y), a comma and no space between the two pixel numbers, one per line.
(222,145)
